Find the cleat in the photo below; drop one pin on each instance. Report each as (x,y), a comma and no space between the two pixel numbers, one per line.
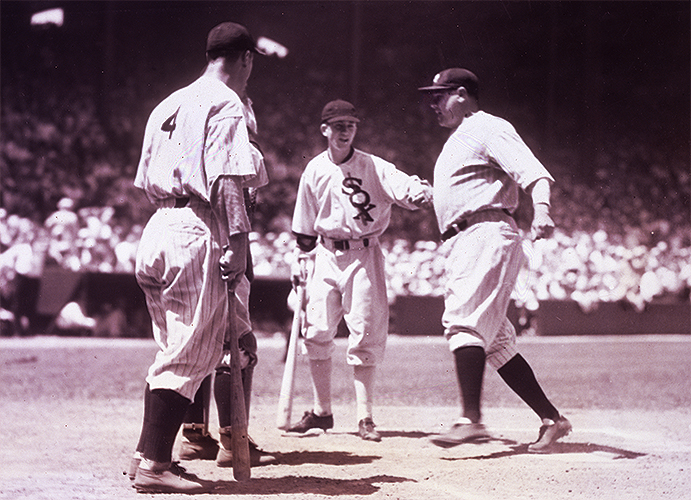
(550,432)
(312,421)
(197,446)
(366,430)
(258,457)
(461,433)
(172,480)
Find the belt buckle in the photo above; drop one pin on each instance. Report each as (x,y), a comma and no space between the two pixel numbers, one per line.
(182,202)
(454,229)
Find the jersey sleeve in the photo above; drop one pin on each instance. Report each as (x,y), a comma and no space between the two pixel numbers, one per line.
(514,156)
(405,190)
(228,150)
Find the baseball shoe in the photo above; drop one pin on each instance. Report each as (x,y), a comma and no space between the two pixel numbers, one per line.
(366,430)
(172,480)
(197,446)
(550,432)
(312,421)
(461,433)
(258,457)
(134,465)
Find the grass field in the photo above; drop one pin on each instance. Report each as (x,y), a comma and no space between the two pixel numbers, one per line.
(72,411)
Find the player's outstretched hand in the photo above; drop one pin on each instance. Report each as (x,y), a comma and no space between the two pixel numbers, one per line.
(543,225)
(423,198)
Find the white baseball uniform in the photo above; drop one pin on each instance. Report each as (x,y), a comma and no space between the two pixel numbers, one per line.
(348,206)
(476,180)
(193,138)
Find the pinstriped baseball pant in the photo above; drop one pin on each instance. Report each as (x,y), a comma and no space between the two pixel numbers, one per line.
(178,269)
(481,271)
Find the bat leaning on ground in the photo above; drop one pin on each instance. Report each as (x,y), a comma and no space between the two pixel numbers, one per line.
(285,399)
(238,422)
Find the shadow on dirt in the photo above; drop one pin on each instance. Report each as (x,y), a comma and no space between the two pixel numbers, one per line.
(304,485)
(323,458)
(557,449)
(401,434)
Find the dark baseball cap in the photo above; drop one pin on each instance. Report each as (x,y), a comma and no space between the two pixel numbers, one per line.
(453,78)
(339,110)
(230,36)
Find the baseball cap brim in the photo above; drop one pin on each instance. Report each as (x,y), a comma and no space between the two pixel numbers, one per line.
(345,118)
(433,88)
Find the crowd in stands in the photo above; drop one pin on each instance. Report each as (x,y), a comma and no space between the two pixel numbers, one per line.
(624,232)
(637,265)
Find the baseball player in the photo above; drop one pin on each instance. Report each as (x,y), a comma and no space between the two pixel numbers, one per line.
(343,205)
(196,160)
(197,443)
(476,181)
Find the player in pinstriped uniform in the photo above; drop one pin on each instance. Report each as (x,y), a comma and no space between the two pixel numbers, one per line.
(343,205)
(196,159)
(476,180)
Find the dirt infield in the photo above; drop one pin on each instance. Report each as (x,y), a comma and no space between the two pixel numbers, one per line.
(72,411)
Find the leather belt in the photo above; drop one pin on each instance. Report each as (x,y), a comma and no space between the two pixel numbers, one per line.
(347,244)
(463,224)
(182,202)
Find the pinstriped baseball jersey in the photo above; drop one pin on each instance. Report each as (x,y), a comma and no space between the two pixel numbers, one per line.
(193,137)
(481,166)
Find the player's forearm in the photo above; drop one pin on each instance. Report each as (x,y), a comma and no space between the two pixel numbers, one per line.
(227,203)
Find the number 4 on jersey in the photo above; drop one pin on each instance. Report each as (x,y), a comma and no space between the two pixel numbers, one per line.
(169,124)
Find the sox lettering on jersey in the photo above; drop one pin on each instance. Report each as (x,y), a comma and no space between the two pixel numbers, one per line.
(359,198)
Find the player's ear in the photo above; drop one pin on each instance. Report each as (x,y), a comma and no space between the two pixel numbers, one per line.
(247,57)
(323,128)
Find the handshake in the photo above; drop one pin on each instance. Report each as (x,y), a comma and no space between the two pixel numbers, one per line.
(422,198)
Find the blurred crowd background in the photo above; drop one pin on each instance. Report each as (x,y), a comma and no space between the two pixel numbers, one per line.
(74,109)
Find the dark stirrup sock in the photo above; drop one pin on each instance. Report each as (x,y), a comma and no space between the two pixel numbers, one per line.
(470,369)
(162,420)
(222,387)
(519,376)
(197,410)
(140,444)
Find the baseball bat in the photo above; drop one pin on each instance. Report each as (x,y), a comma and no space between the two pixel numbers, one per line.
(238,421)
(285,398)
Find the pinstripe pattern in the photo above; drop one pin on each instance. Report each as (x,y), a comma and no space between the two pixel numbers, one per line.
(482,165)
(481,270)
(177,268)
(477,175)
(193,137)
